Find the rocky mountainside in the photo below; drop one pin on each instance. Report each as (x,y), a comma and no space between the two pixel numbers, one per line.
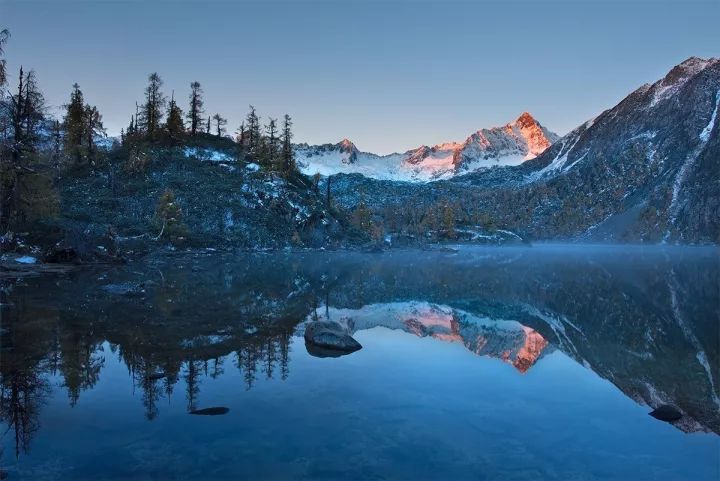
(651,159)
(644,170)
(510,144)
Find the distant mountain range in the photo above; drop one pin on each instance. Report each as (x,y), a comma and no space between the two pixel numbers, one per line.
(511,144)
(644,170)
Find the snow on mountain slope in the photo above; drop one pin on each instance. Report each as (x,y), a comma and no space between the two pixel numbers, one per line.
(641,120)
(510,144)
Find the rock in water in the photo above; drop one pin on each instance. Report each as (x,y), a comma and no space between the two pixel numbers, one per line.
(216,411)
(61,255)
(329,339)
(667,413)
(129,289)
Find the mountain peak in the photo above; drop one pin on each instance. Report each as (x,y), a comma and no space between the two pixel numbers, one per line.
(525,120)
(346,145)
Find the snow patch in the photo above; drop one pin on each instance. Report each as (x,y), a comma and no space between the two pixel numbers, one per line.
(207,155)
(705,134)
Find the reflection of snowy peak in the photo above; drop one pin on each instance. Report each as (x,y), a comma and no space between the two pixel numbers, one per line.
(510,144)
(509,341)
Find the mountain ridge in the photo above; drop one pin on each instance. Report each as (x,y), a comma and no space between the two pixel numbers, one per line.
(509,144)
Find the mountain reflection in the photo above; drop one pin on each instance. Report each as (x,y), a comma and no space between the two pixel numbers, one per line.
(507,340)
(648,325)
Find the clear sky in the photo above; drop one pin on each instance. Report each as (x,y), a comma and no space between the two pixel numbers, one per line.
(389,76)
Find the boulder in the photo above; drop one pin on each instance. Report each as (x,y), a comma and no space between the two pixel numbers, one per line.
(329,339)
(61,255)
(667,413)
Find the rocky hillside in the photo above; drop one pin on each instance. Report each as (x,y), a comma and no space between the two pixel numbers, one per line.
(218,199)
(644,170)
(510,144)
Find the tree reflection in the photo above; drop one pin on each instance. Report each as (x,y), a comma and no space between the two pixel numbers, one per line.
(196,326)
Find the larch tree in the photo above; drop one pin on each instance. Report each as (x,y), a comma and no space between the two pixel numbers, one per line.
(253,132)
(220,124)
(82,124)
(73,125)
(4,35)
(287,154)
(152,111)
(93,128)
(174,126)
(240,138)
(195,112)
(26,192)
(271,144)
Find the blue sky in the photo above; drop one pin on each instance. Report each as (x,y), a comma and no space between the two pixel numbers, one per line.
(388,75)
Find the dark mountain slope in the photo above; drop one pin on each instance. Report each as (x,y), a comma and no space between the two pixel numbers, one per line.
(645,170)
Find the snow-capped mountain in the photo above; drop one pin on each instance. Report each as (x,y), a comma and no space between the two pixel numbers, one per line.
(507,340)
(653,159)
(510,144)
(645,170)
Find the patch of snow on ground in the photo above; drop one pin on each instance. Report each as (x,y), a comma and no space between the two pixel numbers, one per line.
(705,134)
(26,260)
(208,155)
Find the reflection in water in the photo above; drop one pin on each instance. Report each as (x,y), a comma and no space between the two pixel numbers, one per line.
(649,326)
(509,341)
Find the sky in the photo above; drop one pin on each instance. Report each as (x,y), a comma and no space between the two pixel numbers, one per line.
(390,76)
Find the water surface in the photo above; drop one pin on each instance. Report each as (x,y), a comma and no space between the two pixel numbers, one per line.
(508,364)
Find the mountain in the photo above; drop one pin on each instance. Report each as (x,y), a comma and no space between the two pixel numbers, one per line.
(507,340)
(644,170)
(651,162)
(510,144)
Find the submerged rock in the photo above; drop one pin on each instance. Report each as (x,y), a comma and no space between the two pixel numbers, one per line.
(667,413)
(61,255)
(214,411)
(329,339)
(125,289)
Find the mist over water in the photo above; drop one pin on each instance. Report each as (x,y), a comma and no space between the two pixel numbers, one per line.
(486,363)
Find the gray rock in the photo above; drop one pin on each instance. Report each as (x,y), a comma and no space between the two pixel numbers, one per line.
(329,339)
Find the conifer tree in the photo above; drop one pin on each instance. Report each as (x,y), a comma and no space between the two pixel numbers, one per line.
(56,147)
(152,110)
(220,124)
(74,127)
(168,216)
(271,144)
(93,127)
(240,139)
(253,132)
(26,191)
(207,128)
(174,126)
(82,124)
(4,35)
(195,112)
(287,155)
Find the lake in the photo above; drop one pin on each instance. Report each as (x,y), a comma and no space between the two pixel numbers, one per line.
(516,363)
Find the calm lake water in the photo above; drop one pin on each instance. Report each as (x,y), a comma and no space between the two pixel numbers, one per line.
(486,364)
